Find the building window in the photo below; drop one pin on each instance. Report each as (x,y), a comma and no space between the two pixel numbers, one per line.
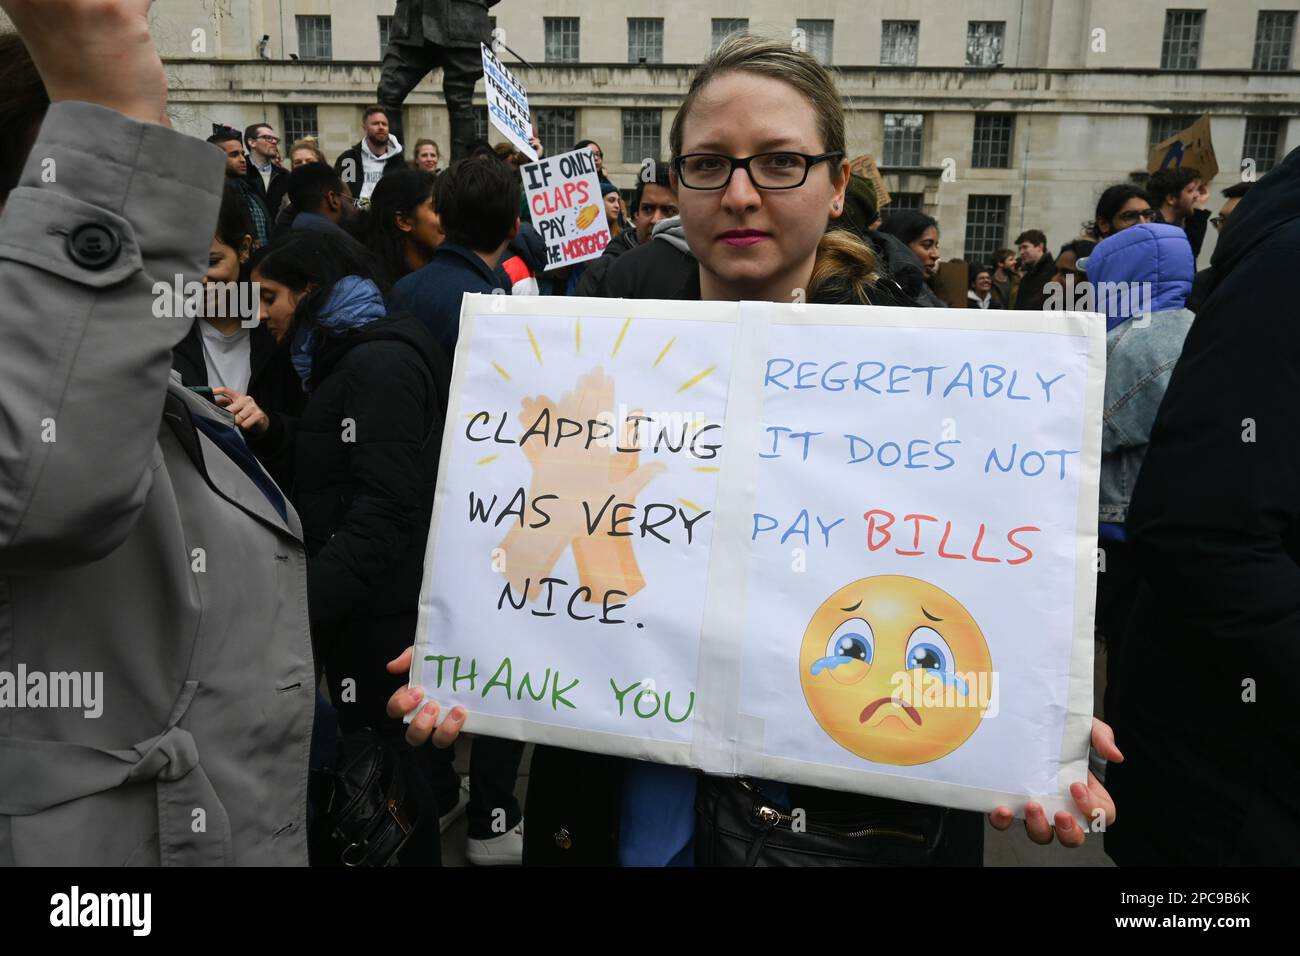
(557,129)
(898,42)
(992,146)
(1261,143)
(315,41)
(641,135)
(819,34)
(900,202)
(984,42)
(299,122)
(1181,49)
(1162,127)
(385,30)
(723,28)
(645,40)
(1274,31)
(561,39)
(903,139)
(986,227)
(481,124)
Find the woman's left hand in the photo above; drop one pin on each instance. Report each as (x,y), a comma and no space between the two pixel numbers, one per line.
(421,729)
(1089,799)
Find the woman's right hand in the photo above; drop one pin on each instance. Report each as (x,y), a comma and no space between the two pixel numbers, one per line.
(421,728)
(248,415)
(95,51)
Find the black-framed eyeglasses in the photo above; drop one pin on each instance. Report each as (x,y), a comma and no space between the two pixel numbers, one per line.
(1218,221)
(782,170)
(1133,215)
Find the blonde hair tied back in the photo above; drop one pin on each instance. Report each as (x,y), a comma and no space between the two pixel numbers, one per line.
(842,258)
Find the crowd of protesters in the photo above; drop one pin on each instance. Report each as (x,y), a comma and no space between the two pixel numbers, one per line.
(361,266)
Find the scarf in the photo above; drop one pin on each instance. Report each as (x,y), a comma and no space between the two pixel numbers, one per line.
(355,302)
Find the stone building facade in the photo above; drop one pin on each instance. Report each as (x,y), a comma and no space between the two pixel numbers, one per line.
(991,115)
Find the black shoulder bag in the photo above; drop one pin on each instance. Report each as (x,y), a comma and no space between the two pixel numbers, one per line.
(738,825)
(361,812)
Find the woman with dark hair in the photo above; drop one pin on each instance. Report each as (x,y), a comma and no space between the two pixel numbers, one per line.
(1068,273)
(401,229)
(613,202)
(597,152)
(221,351)
(1119,207)
(980,293)
(364,462)
(920,233)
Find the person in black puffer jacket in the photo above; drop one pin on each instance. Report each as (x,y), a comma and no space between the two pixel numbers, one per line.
(364,465)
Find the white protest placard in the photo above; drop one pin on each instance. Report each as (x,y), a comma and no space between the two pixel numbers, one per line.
(507,103)
(845,546)
(565,205)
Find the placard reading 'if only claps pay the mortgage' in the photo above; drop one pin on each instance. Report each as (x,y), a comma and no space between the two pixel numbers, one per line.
(565,205)
(845,546)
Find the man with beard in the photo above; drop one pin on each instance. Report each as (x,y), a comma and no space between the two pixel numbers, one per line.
(376,156)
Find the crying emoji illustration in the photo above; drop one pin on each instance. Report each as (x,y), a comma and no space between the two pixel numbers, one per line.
(895,670)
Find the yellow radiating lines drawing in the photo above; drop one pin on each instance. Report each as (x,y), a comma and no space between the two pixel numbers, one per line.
(484,461)
(690,504)
(476,415)
(665,351)
(706,468)
(504,373)
(577,337)
(533,341)
(697,379)
(619,341)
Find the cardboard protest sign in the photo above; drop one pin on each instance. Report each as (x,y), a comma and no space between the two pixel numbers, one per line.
(565,204)
(845,546)
(1192,148)
(952,282)
(865,166)
(507,103)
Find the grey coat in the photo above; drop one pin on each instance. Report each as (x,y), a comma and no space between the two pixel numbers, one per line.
(447,23)
(122,552)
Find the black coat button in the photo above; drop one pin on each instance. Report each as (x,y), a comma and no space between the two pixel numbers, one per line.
(563,840)
(93,246)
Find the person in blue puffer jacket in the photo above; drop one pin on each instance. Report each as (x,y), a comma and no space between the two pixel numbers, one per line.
(1141,278)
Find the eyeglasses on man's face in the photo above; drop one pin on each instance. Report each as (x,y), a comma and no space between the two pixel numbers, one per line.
(270,138)
(766,170)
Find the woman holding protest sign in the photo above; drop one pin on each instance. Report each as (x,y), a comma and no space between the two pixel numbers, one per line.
(759,169)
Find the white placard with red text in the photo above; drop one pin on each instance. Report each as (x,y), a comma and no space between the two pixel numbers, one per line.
(566,208)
